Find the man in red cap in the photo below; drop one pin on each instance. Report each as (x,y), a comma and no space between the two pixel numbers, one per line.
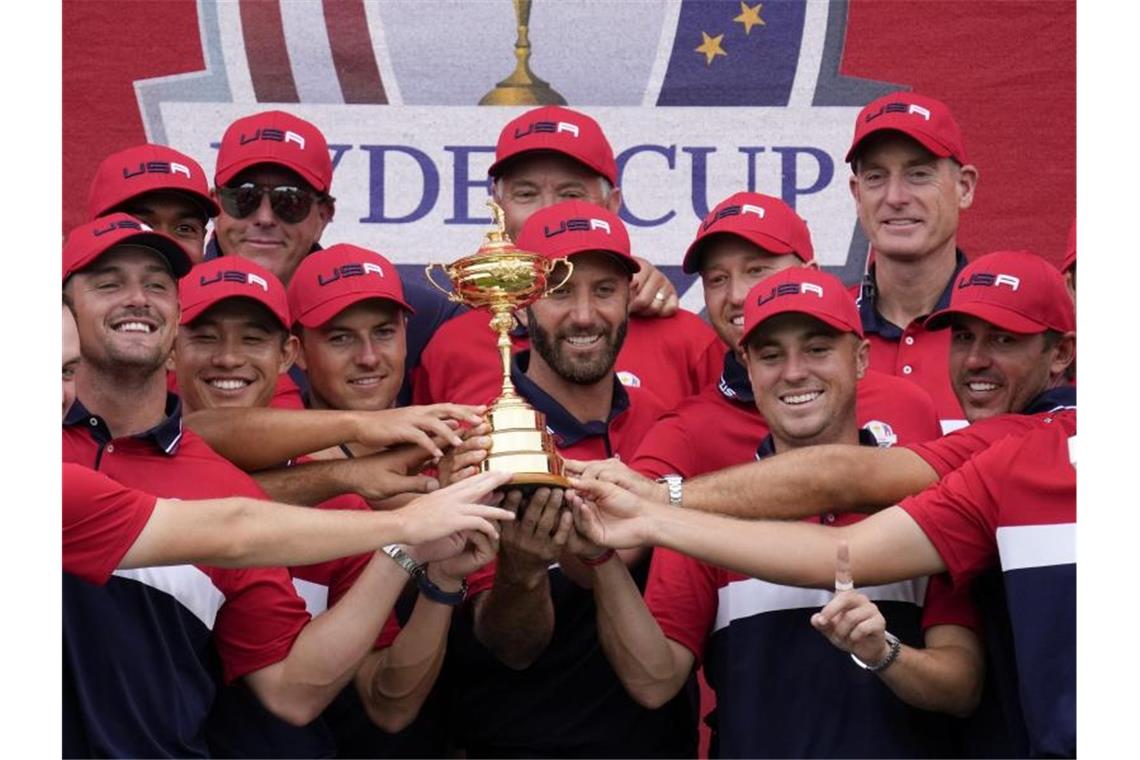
(1010,509)
(544,156)
(910,178)
(804,350)
(532,622)
(157,185)
(745,239)
(130,640)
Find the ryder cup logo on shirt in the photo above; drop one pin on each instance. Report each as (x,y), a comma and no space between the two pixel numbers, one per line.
(245,278)
(350,270)
(988,280)
(883,433)
(628,379)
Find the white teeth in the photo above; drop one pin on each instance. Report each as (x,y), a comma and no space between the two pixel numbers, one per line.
(583,340)
(133,327)
(365,381)
(229,384)
(980,386)
(801,398)
(738,321)
(902,221)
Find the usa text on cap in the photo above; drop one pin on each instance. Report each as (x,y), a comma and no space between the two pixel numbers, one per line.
(231,277)
(924,119)
(571,227)
(557,129)
(760,219)
(145,168)
(275,137)
(1017,291)
(805,291)
(329,281)
(89,241)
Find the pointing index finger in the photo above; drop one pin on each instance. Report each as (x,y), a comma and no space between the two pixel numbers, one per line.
(843,580)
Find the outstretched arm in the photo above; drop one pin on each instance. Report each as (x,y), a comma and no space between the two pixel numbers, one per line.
(888,546)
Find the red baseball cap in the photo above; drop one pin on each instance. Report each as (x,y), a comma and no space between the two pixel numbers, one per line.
(761,220)
(89,241)
(806,291)
(1070,260)
(924,119)
(1016,291)
(231,277)
(275,137)
(571,227)
(330,280)
(561,130)
(143,168)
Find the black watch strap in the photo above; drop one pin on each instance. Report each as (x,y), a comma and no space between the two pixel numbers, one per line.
(438,595)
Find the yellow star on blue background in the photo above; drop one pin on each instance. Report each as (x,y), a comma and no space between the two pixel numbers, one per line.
(711,47)
(750,17)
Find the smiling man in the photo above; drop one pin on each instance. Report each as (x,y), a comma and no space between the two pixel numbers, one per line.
(804,352)
(910,179)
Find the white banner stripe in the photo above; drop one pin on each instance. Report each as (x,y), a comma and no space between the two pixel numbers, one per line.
(811,53)
(310,56)
(664,54)
(233,51)
(1024,546)
(745,598)
(380,50)
(191,587)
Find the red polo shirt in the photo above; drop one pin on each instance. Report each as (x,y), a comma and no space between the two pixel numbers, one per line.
(101,520)
(669,357)
(913,352)
(721,426)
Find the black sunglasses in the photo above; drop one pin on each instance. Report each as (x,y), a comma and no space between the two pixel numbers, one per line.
(290,204)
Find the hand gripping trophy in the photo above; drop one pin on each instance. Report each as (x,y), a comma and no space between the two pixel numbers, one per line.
(502,278)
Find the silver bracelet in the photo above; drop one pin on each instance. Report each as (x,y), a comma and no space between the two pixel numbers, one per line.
(673,482)
(892,655)
(404,560)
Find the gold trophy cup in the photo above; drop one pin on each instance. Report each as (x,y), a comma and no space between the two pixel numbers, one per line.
(502,278)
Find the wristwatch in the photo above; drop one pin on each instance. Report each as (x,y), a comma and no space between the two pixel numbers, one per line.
(438,595)
(673,482)
(404,560)
(892,655)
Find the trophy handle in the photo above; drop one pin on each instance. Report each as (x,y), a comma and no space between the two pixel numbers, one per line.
(451,296)
(569,271)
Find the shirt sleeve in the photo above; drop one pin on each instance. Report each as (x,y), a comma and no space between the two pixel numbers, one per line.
(101,521)
(947,604)
(681,594)
(953,450)
(665,449)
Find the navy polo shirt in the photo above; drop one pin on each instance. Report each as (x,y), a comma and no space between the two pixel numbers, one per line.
(782,690)
(569,702)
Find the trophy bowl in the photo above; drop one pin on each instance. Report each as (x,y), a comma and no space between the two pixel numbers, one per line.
(501,279)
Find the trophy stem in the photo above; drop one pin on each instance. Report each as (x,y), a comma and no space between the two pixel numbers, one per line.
(502,322)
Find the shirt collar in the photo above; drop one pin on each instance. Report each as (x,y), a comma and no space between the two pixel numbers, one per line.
(564,426)
(734,384)
(166,435)
(767,446)
(1061,397)
(867,301)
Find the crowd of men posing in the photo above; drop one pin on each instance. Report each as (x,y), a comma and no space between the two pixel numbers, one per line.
(852,509)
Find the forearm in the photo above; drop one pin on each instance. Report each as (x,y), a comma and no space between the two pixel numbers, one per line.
(329,650)
(885,547)
(942,678)
(647,663)
(257,438)
(394,682)
(515,619)
(810,481)
(308,483)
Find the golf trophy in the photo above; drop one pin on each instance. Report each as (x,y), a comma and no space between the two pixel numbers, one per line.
(501,278)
